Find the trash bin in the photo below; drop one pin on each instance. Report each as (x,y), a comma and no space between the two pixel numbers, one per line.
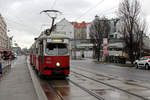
(111,59)
(106,59)
(115,59)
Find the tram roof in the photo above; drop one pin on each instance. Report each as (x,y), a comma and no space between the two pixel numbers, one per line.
(56,36)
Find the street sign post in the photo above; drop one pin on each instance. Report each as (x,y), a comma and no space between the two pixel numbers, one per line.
(105,46)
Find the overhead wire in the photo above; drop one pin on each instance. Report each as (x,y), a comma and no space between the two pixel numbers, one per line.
(18,21)
(22,26)
(54,3)
(106,12)
(90,9)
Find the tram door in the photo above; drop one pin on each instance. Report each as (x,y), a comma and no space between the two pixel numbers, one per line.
(41,56)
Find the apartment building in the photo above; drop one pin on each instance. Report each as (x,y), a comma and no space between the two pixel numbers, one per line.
(3,33)
(66,28)
(80,30)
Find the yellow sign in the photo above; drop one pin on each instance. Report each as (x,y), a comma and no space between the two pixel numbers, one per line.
(57,40)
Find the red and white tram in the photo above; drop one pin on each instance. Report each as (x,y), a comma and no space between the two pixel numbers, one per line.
(50,55)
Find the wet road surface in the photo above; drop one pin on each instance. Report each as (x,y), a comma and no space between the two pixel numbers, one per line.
(129,89)
(17,84)
(124,72)
(90,81)
(64,90)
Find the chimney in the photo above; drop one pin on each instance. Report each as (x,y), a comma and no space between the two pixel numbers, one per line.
(96,17)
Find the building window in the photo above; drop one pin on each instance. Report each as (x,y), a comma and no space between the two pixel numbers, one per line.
(111,36)
(115,36)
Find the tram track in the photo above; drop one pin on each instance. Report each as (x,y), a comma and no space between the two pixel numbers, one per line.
(87,90)
(56,92)
(133,94)
(60,95)
(125,81)
(55,88)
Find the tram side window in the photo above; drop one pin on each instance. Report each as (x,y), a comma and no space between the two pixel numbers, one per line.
(41,49)
(36,50)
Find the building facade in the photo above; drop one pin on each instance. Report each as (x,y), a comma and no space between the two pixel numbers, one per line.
(77,32)
(80,30)
(64,26)
(74,30)
(3,33)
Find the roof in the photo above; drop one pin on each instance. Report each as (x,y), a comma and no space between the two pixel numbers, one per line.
(56,35)
(147,57)
(5,50)
(59,35)
(115,45)
(77,25)
(115,33)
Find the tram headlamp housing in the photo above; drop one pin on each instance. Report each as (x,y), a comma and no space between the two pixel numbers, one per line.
(57,64)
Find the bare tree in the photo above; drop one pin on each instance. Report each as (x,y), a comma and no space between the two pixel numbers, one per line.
(132,28)
(99,29)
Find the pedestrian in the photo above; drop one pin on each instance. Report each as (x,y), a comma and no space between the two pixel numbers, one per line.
(83,55)
(0,69)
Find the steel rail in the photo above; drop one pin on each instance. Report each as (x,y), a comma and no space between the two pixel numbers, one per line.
(57,93)
(87,90)
(114,78)
(143,98)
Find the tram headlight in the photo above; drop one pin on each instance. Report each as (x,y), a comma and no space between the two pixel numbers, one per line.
(57,64)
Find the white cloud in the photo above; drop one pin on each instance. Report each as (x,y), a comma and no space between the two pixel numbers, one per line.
(22,38)
(16,5)
(24,19)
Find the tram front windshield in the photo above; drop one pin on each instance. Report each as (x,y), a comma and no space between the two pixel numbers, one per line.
(56,49)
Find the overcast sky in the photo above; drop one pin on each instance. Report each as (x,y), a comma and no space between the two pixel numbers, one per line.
(25,21)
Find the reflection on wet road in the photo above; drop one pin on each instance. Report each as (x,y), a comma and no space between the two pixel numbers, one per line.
(77,87)
(86,84)
(132,87)
(123,72)
(105,91)
(64,90)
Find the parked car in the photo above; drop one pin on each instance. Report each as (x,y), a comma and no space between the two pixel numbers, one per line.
(143,62)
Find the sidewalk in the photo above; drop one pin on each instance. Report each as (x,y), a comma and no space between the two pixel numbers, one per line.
(17,83)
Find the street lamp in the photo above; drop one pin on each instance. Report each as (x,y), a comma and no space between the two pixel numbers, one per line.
(9,41)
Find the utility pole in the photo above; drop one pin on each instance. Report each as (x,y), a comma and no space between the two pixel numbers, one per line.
(75,49)
(141,40)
